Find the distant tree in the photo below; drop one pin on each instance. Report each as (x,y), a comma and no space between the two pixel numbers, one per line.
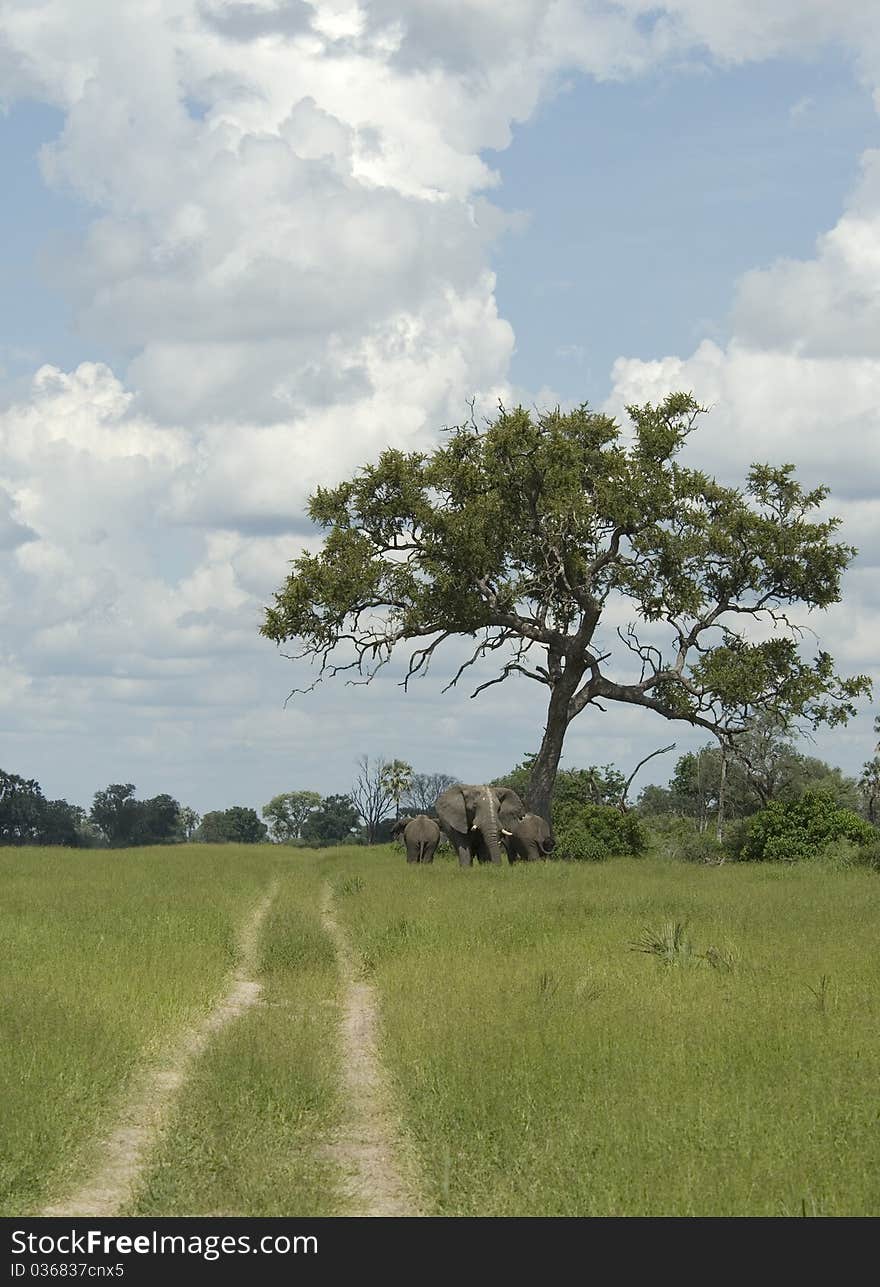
(188,822)
(286,813)
(371,795)
(766,753)
(158,821)
(695,787)
(869,789)
(397,779)
(654,800)
(333,822)
(422,792)
(22,807)
(527,535)
(237,825)
(61,824)
(90,836)
(244,825)
(115,813)
(213,828)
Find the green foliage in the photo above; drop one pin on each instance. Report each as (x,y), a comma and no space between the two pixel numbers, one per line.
(793,830)
(397,778)
(158,821)
(670,944)
(114,812)
(518,534)
(188,822)
(762,765)
(123,820)
(594,832)
(575,788)
(287,812)
(869,789)
(28,818)
(332,823)
(238,825)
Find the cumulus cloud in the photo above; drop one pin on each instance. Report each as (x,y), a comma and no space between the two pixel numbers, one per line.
(292,221)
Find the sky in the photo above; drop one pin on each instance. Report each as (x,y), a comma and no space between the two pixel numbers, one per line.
(246,245)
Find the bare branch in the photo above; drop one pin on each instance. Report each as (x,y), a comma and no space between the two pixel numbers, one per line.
(628,783)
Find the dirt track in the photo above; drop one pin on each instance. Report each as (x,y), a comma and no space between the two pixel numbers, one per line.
(123,1154)
(378,1173)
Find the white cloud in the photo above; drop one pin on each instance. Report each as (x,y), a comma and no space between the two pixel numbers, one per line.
(291,245)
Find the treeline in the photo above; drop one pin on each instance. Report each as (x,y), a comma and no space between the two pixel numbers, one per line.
(762,798)
(382,791)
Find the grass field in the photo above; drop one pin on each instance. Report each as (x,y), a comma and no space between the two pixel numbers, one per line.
(105,956)
(541,1065)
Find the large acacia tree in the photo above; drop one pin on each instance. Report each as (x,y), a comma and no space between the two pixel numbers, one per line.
(520,535)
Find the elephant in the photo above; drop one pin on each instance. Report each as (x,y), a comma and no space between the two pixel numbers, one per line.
(421,835)
(530,839)
(477,819)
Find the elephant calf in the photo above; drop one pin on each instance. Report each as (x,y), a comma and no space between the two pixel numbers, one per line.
(529,839)
(421,835)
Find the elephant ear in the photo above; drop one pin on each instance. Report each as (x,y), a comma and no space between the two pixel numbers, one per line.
(451,809)
(510,806)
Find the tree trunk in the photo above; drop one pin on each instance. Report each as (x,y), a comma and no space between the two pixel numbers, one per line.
(719,825)
(542,778)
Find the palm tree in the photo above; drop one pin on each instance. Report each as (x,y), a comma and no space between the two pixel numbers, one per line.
(397,778)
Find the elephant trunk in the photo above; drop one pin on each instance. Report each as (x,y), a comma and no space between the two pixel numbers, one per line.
(490,826)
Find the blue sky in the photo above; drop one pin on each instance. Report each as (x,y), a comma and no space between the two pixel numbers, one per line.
(227,306)
(647,201)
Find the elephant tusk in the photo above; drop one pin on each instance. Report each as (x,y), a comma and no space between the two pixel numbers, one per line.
(506,833)
(475,827)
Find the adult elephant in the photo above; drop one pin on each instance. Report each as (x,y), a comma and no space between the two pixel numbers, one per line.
(477,818)
(421,836)
(530,839)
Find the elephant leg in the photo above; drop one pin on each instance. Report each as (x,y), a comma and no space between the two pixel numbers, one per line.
(428,853)
(465,857)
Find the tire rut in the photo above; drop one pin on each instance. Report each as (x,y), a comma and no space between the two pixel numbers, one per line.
(369,1147)
(124,1152)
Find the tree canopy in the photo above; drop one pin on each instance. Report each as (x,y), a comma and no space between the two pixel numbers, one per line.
(520,535)
(287,812)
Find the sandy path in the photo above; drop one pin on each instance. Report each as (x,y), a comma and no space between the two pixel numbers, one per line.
(124,1152)
(379,1174)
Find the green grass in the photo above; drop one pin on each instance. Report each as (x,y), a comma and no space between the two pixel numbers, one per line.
(639,1037)
(106,955)
(545,1067)
(247,1135)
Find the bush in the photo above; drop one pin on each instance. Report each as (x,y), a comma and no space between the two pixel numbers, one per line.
(595,832)
(844,855)
(703,847)
(795,830)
